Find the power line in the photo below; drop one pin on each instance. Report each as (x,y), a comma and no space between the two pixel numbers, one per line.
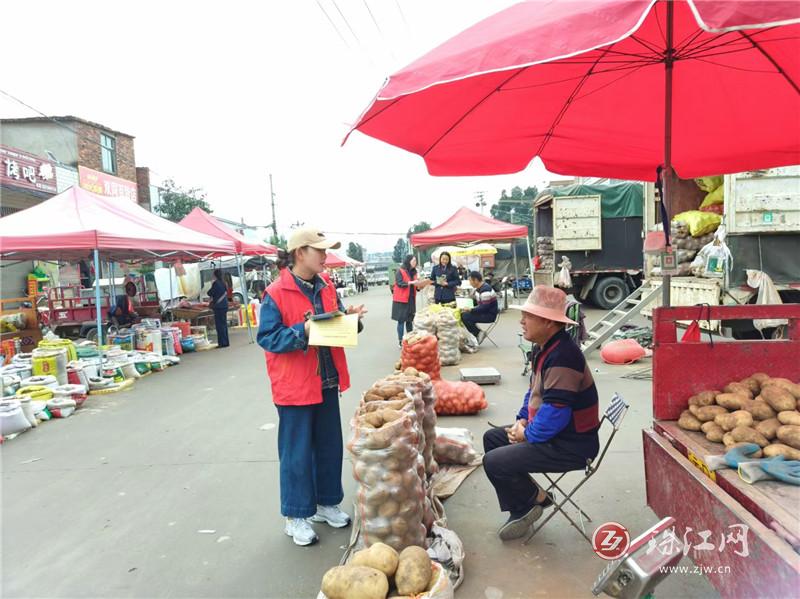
(327,16)
(346,22)
(402,16)
(378,27)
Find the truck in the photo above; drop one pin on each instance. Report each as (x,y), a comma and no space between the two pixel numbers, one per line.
(762,219)
(599,229)
(744,538)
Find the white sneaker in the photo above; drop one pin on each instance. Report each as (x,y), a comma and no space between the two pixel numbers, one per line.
(301,531)
(332,515)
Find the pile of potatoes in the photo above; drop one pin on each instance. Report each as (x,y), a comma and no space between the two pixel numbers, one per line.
(380,572)
(759,409)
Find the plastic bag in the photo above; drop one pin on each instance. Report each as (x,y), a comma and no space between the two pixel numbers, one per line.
(439,587)
(12,418)
(421,351)
(468,344)
(458,398)
(767,294)
(715,197)
(709,183)
(454,446)
(564,279)
(699,223)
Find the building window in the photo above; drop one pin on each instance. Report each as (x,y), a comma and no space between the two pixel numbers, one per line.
(108,149)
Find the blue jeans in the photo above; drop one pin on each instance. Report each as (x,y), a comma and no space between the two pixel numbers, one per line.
(310,452)
(408,325)
(221,324)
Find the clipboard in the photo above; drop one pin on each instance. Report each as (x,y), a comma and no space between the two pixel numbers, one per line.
(337,330)
(326,315)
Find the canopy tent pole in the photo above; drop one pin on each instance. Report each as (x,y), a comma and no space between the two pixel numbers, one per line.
(98,307)
(246,304)
(530,259)
(666,201)
(516,268)
(171,292)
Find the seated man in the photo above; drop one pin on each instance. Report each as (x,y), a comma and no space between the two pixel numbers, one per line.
(556,429)
(486,305)
(123,313)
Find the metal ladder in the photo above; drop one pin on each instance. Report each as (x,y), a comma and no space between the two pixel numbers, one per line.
(613,320)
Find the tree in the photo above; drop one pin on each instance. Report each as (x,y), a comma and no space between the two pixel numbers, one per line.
(356,251)
(177,202)
(516,208)
(278,241)
(399,251)
(420,227)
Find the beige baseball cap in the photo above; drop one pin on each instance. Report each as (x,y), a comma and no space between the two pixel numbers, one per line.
(311,238)
(546,302)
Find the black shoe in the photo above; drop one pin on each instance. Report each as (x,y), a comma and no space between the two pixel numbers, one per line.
(519,523)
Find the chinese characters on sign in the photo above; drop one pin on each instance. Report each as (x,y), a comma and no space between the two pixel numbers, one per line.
(736,537)
(20,169)
(106,185)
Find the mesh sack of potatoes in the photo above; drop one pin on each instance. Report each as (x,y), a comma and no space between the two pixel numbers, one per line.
(449,338)
(425,322)
(421,351)
(390,472)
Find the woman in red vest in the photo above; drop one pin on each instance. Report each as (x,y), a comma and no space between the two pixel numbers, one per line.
(404,296)
(306,383)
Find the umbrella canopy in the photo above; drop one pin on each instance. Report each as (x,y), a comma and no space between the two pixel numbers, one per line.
(71,224)
(334,261)
(609,88)
(201,221)
(467,225)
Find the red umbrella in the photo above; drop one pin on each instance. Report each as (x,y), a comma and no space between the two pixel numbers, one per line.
(608,88)
(588,85)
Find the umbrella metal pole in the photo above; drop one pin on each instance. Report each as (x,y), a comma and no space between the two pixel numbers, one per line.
(98,308)
(516,268)
(530,258)
(667,186)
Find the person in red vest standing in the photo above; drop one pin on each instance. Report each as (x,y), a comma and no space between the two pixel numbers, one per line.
(404,296)
(306,384)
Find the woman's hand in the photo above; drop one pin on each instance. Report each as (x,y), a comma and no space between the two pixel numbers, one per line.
(360,310)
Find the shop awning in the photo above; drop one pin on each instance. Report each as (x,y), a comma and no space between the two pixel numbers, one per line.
(467,225)
(73,223)
(201,221)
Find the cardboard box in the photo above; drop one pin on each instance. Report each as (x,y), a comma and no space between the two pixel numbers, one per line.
(30,338)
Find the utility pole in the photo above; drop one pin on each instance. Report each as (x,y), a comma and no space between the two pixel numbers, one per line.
(480,202)
(272,201)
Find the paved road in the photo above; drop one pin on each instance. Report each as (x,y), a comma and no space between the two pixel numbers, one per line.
(171,489)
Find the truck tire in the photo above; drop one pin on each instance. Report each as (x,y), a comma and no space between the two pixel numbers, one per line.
(608,292)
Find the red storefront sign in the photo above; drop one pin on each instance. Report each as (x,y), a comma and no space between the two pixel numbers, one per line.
(26,171)
(106,185)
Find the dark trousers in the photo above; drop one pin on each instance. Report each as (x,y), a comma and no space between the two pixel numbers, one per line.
(408,325)
(508,465)
(221,324)
(310,452)
(470,318)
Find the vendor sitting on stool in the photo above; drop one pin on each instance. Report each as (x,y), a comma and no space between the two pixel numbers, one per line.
(123,314)
(485,309)
(556,428)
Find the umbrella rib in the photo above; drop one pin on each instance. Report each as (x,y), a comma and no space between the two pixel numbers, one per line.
(733,68)
(635,65)
(548,136)
(385,108)
(470,111)
(772,61)
(654,49)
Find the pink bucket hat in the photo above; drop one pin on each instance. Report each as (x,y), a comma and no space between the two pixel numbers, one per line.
(546,302)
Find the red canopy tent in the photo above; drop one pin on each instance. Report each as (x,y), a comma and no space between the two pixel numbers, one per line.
(73,223)
(201,221)
(466,225)
(334,261)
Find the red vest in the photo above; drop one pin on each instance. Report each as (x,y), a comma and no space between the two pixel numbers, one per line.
(294,376)
(402,294)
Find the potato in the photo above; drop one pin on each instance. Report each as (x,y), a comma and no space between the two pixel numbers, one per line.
(755,455)
(688,422)
(785,384)
(760,410)
(745,434)
(372,396)
(738,388)
(414,571)
(752,384)
(768,428)
(714,432)
(778,398)
(378,556)
(707,413)
(727,439)
(759,377)
(399,526)
(410,371)
(728,422)
(704,398)
(789,417)
(355,582)
(776,449)
(390,415)
(789,434)
(733,401)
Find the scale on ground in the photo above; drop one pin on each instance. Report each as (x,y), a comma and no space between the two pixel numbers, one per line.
(482,376)
(644,565)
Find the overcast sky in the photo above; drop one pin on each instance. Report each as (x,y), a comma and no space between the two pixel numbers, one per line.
(220,94)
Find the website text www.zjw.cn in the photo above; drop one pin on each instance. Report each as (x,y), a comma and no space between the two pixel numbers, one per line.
(697,570)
